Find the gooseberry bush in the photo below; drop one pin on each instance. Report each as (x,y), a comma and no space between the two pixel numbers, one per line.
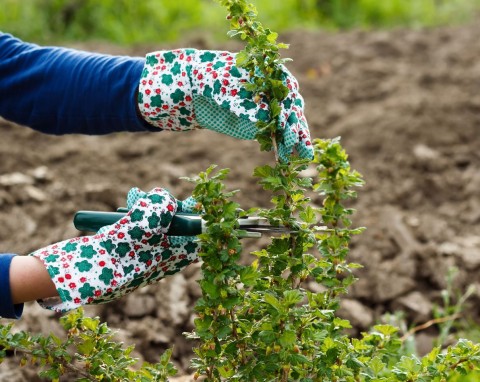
(262,321)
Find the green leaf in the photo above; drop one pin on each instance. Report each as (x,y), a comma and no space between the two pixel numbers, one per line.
(355,266)
(292,297)
(280,91)
(275,108)
(231,302)
(432,356)
(226,370)
(272,37)
(409,364)
(91,323)
(242,57)
(386,330)
(224,332)
(341,323)
(165,357)
(279,246)
(308,216)
(296,359)
(233,33)
(263,171)
(376,365)
(331,355)
(272,300)
(249,276)
(203,324)
(52,374)
(210,288)
(287,338)
(267,336)
(86,346)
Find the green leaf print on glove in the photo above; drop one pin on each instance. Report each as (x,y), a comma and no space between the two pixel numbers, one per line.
(188,205)
(123,257)
(189,89)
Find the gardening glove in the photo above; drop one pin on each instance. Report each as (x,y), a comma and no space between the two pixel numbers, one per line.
(188,205)
(129,254)
(189,89)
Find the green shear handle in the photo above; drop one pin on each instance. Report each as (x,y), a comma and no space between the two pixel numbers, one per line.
(183,224)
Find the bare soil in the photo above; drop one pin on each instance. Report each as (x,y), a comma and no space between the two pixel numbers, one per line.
(407,106)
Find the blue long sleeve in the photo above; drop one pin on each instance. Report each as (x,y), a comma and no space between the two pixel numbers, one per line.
(7,308)
(63,91)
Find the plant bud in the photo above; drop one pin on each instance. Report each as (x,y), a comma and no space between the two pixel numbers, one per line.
(73,332)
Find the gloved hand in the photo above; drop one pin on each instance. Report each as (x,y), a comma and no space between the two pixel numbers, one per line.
(189,89)
(124,256)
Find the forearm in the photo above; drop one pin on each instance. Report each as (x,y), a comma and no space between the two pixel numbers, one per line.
(63,91)
(29,280)
(22,279)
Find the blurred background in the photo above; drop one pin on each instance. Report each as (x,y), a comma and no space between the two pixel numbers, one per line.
(398,80)
(127,22)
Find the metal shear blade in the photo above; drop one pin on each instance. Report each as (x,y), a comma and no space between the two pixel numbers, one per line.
(256,226)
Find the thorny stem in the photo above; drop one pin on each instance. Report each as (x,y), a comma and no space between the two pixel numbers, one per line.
(459,362)
(233,318)
(429,323)
(275,148)
(234,326)
(67,365)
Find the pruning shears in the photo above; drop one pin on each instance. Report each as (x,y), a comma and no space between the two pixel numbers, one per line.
(183,224)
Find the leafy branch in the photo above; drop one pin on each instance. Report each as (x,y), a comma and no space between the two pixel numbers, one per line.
(259,322)
(261,57)
(89,352)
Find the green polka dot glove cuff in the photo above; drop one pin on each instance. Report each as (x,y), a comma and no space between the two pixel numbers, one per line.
(127,255)
(189,89)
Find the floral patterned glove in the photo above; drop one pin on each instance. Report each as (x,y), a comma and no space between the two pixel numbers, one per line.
(127,255)
(189,89)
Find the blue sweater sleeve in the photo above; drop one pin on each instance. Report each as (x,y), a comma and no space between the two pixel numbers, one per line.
(7,308)
(63,91)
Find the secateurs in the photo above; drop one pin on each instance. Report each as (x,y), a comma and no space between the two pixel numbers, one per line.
(183,224)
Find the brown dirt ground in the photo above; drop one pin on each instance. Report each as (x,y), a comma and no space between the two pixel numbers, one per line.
(407,106)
